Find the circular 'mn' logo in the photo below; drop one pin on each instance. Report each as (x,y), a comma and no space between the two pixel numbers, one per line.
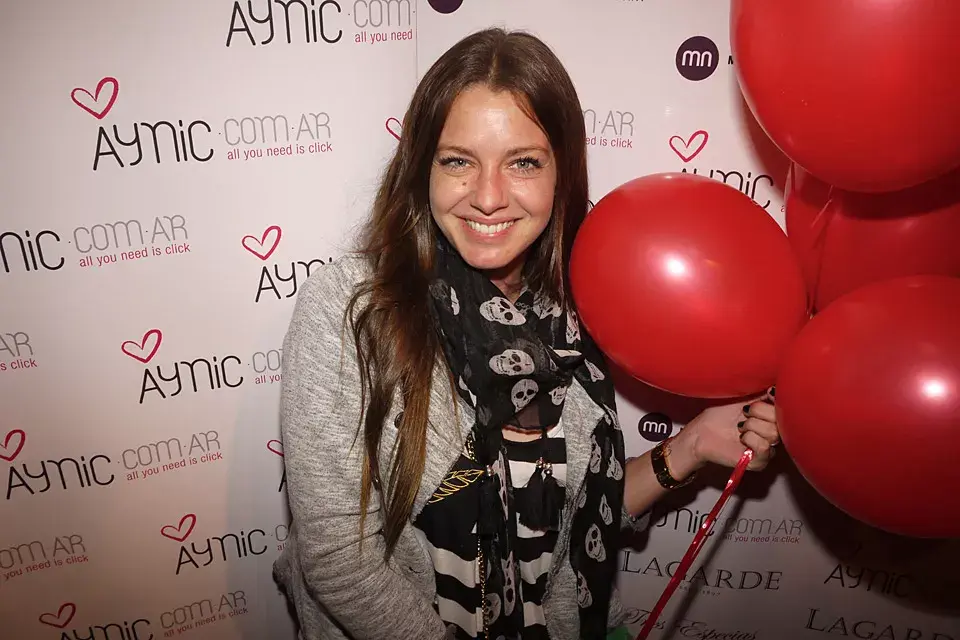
(445,6)
(655,427)
(697,58)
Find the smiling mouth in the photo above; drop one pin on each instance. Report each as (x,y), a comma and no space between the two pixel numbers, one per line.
(489,229)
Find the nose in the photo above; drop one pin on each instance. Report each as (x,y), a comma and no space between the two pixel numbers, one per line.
(490,191)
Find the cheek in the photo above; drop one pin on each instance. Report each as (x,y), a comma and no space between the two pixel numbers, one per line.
(445,193)
(536,198)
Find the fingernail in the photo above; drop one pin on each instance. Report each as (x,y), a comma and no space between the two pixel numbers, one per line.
(746,408)
(740,424)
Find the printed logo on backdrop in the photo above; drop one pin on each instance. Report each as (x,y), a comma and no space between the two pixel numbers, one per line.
(36,251)
(859,626)
(30,478)
(168,379)
(197,552)
(140,461)
(16,352)
(179,140)
(686,628)
(609,128)
(736,529)
(12,445)
(171,455)
(655,427)
(178,620)
(279,280)
(394,127)
(445,6)
(164,379)
(265,22)
(41,554)
(698,58)
(276,448)
(203,613)
(690,146)
(100,244)
(903,585)
(707,579)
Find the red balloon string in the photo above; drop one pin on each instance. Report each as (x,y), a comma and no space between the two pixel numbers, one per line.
(821,223)
(697,545)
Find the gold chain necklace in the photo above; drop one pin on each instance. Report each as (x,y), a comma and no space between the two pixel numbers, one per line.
(481,565)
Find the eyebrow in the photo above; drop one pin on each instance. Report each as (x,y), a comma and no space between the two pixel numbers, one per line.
(510,152)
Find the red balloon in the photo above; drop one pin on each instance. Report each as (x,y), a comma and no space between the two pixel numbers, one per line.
(688,285)
(845,240)
(868,403)
(861,93)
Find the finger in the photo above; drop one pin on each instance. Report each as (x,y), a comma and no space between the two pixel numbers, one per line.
(761,464)
(760,410)
(766,430)
(770,457)
(760,447)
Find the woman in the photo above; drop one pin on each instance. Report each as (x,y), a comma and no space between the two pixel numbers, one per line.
(455,466)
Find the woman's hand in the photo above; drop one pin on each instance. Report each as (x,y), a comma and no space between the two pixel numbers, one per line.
(722,433)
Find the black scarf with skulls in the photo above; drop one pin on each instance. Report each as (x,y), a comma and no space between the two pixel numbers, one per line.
(513,363)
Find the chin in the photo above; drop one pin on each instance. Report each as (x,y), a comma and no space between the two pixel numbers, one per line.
(487,259)
(493,254)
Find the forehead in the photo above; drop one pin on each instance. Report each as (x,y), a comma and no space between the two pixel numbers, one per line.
(483,116)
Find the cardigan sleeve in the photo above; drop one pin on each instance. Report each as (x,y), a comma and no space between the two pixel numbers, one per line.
(320,413)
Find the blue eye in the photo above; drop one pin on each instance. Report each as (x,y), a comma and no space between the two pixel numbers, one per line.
(528,163)
(453,161)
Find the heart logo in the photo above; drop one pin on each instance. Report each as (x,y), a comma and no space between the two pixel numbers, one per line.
(64,615)
(276,447)
(394,127)
(263,248)
(81,97)
(153,337)
(6,446)
(180,532)
(686,155)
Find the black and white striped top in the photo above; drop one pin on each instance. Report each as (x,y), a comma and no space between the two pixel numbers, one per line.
(448,525)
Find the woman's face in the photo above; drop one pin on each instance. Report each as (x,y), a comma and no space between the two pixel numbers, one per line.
(492,182)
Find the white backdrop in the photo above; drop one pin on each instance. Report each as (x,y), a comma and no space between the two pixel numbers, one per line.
(173,171)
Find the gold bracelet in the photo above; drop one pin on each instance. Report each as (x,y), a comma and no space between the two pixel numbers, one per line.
(658,459)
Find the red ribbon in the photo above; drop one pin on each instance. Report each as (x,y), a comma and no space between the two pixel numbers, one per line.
(697,545)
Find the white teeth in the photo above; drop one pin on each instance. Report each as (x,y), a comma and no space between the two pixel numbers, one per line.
(489,229)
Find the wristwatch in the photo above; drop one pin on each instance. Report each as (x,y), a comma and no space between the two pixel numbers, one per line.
(658,459)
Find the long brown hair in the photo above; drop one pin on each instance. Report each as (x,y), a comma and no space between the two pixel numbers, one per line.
(394,350)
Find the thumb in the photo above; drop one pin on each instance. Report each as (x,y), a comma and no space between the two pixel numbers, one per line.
(732,451)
